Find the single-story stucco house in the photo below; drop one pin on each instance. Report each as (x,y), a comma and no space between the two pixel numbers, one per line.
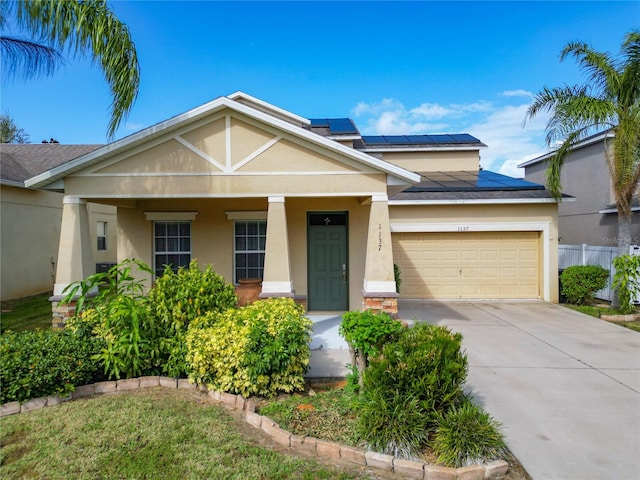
(316,210)
(30,219)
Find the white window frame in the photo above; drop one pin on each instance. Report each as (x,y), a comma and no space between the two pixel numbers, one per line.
(158,269)
(101,233)
(237,252)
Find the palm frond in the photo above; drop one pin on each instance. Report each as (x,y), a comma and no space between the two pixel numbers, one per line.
(27,59)
(554,168)
(599,66)
(89,28)
(630,77)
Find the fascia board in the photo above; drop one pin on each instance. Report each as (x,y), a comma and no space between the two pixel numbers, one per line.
(280,111)
(421,149)
(195,114)
(332,145)
(476,201)
(12,183)
(119,145)
(584,143)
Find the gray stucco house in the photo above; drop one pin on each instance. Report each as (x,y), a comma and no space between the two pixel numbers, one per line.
(592,217)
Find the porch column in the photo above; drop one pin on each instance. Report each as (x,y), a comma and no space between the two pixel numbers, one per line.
(75,255)
(277,267)
(379,290)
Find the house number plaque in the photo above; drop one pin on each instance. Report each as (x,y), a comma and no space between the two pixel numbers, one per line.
(379,236)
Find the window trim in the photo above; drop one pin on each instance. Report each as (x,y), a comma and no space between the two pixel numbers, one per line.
(167,252)
(103,236)
(235,251)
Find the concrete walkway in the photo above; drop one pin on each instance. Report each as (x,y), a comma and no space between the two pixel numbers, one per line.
(566,386)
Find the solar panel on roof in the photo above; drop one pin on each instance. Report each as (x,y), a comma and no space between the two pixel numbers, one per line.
(438,139)
(373,140)
(471,181)
(342,125)
(319,122)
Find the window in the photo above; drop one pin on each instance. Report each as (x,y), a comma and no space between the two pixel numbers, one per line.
(250,238)
(172,245)
(101,234)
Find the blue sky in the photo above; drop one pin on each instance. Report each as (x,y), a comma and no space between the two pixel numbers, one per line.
(394,67)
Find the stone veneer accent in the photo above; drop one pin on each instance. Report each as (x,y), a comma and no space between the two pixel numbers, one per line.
(386,302)
(60,312)
(321,448)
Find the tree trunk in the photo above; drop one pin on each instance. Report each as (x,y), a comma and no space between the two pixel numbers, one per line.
(624,242)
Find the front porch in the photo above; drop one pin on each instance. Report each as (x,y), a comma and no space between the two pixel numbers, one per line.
(330,254)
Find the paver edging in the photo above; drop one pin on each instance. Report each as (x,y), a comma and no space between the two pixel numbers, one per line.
(489,471)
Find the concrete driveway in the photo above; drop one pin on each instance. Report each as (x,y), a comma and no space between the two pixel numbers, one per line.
(565,386)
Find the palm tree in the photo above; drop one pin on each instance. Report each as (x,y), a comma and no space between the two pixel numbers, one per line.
(79,28)
(609,101)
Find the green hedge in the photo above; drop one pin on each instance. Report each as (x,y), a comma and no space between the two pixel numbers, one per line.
(581,282)
(44,362)
(414,380)
(260,349)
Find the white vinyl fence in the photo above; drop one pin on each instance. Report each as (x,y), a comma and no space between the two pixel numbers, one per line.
(584,254)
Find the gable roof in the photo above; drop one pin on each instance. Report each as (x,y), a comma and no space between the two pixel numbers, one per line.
(241,103)
(598,137)
(21,161)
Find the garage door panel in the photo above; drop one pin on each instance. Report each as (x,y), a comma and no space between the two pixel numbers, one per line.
(468,265)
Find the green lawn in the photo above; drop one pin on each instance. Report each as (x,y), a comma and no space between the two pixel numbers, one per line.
(597,311)
(149,433)
(26,313)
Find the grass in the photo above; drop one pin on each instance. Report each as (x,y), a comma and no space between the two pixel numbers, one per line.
(26,313)
(598,310)
(149,433)
(327,415)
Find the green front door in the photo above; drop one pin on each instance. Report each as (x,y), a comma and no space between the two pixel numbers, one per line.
(328,268)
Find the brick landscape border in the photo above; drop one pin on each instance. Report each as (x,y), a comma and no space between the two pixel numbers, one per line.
(321,448)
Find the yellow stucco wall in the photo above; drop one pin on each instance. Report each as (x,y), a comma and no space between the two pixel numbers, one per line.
(435,161)
(245,160)
(30,232)
(212,234)
(473,217)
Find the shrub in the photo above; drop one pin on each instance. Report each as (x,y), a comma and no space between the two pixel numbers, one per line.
(260,349)
(581,282)
(177,299)
(407,386)
(132,338)
(392,423)
(424,363)
(38,363)
(626,281)
(366,332)
(467,435)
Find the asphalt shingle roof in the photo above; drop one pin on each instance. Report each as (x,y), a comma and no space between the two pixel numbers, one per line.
(20,161)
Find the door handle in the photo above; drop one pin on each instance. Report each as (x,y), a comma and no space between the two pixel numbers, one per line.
(344,273)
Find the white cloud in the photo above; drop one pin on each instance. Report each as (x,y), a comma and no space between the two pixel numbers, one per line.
(431,110)
(497,124)
(516,93)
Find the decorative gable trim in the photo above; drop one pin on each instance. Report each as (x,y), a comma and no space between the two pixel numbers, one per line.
(171,216)
(166,128)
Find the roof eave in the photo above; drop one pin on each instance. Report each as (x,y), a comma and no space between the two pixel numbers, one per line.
(434,148)
(584,143)
(197,113)
(479,201)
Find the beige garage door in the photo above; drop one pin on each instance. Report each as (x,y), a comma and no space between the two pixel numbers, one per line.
(468,265)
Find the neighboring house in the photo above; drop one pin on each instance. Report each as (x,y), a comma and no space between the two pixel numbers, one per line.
(592,218)
(30,219)
(316,210)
